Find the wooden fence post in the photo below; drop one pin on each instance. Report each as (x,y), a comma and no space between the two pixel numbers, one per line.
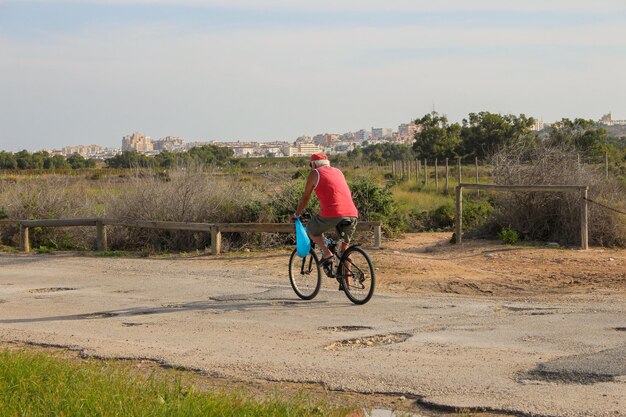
(447,176)
(425,172)
(478,189)
(458,167)
(24,241)
(417,170)
(101,236)
(378,232)
(216,240)
(584,233)
(459,213)
(436,176)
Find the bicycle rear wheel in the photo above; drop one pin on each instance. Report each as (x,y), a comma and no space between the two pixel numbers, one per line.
(305,275)
(356,274)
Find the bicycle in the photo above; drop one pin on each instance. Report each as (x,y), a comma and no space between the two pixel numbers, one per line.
(354,272)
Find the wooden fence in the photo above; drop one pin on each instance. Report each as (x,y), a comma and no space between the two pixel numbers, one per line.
(216,229)
(582,189)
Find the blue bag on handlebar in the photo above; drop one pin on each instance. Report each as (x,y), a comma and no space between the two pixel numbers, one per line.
(303,243)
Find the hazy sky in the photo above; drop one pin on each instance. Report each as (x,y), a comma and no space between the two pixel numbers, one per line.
(81,72)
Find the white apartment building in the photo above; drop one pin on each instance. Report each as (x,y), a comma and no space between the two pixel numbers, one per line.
(82,150)
(169,143)
(304,149)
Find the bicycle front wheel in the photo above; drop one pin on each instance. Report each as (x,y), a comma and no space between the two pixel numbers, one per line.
(305,275)
(357,276)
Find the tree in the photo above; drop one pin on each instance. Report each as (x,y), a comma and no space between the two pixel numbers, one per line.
(382,153)
(7,160)
(484,133)
(437,138)
(580,134)
(130,159)
(23,159)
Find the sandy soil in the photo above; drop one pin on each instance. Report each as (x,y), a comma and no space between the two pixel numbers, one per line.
(429,263)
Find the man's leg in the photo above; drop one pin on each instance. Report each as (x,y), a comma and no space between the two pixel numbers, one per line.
(319,241)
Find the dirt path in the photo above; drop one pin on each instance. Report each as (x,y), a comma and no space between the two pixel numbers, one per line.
(529,331)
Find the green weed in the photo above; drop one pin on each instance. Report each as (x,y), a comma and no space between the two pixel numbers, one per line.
(508,235)
(34,384)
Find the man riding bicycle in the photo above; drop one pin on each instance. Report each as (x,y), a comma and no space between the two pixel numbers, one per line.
(337,207)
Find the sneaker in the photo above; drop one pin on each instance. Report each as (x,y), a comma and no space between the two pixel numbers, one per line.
(327,266)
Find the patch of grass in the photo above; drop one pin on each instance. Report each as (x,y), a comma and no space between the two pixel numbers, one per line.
(34,384)
(112,254)
(409,197)
(44,249)
(8,249)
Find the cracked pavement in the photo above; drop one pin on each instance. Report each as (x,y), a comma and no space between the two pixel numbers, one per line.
(558,356)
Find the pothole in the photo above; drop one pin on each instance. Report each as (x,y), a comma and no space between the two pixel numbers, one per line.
(369,341)
(344,328)
(532,311)
(132,324)
(604,366)
(619,329)
(99,315)
(53,289)
(283,303)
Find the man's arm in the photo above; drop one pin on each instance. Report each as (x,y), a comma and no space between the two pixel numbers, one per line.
(306,196)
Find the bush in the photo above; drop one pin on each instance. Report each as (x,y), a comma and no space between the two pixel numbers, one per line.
(555,216)
(443,218)
(376,203)
(50,197)
(508,236)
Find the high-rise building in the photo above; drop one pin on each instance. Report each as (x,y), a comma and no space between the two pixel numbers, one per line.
(362,135)
(137,142)
(381,132)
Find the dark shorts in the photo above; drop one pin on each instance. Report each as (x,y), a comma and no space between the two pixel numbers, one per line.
(345,226)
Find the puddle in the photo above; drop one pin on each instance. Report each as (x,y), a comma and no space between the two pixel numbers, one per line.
(344,328)
(369,341)
(53,289)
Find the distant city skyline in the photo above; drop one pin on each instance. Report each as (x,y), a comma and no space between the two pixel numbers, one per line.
(91,71)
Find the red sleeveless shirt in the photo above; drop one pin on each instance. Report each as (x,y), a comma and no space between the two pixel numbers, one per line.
(334,194)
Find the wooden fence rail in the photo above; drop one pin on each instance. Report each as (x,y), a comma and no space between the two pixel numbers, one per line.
(582,189)
(216,229)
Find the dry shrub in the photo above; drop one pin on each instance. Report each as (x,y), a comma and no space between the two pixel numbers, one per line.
(555,216)
(184,195)
(49,197)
